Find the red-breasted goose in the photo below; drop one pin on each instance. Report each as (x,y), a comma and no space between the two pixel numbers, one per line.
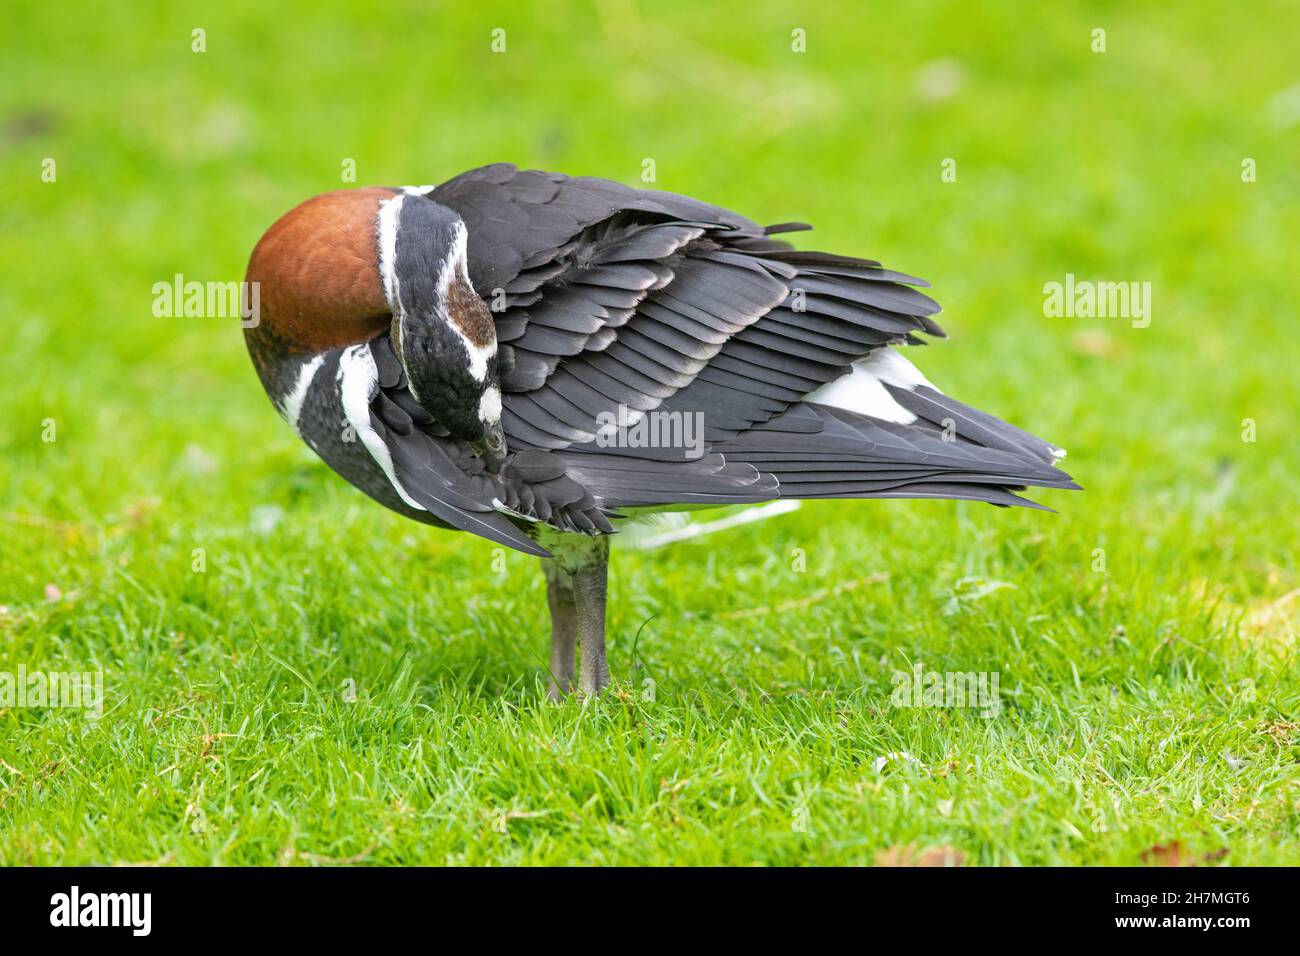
(479,355)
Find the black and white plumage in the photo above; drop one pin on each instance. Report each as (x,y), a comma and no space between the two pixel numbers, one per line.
(466,354)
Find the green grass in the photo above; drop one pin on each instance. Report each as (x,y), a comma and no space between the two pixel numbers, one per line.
(1152,702)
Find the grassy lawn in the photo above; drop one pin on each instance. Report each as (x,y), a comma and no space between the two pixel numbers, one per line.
(294,675)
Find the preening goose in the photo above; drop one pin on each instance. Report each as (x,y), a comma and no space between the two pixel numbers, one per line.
(535,358)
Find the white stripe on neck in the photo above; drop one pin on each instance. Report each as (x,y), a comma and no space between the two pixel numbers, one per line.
(456,268)
(358,381)
(390,215)
(290,405)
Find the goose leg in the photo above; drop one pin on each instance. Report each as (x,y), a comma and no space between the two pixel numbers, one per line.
(564,629)
(590,582)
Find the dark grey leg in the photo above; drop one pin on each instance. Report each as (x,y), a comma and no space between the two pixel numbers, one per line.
(589,589)
(564,629)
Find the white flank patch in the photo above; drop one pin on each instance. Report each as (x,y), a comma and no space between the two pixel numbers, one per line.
(456,266)
(418,190)
(290,406)
(358,381)
(891,368)
(390,211)
(489,406)
(863,390)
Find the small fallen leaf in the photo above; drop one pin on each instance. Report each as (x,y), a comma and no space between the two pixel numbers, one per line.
(894,755)
(909,855)
(264,519)
(1165,854)
(1096,343)
(939,79)
(1175,854)
(198,460)
(137,511)
(1281,731)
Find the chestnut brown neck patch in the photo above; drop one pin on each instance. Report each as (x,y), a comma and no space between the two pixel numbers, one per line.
(318,276)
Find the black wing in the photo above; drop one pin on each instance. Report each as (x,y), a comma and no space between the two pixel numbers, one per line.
(607,296)
(610,296)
